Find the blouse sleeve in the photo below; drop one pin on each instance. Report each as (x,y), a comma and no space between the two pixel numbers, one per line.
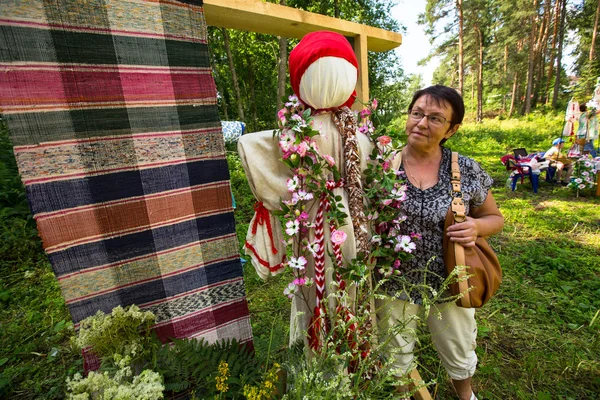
(476,181)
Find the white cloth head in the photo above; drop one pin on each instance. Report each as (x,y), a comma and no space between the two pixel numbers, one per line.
(328,82)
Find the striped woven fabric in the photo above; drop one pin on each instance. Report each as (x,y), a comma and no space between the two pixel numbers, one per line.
(111,107)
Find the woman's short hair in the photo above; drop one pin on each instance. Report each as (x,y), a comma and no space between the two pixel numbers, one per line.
(441,93)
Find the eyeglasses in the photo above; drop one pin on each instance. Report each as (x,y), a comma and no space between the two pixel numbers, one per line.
(437,120)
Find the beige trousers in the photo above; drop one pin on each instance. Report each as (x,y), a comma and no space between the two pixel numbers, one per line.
(453,332)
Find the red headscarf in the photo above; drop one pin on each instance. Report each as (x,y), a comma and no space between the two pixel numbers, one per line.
(314,46)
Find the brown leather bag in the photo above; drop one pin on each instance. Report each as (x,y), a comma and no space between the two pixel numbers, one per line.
(483,268)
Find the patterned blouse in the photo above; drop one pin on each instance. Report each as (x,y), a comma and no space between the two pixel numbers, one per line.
(426,211)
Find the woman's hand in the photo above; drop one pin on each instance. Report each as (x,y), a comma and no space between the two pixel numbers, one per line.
(464,233)
(485,220)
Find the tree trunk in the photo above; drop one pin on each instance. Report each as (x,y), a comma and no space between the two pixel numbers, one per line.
(336,8)
(480,76)
(541,47)
(514,95)
(530,61)
(461,62)
(504,77)
(552,50)
(559,57)
(252,90)
(216,77)
(282,68)
(594,33)
(234,79)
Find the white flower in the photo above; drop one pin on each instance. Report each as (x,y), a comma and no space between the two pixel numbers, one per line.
(292,227)
(303,195)
(585,173)
(376,239)
(293,201)
(578,180)
(290,290)
(405,245)
(292,183)
(297,263)
(314,248)
(286,140)
(399,193)
(582,186)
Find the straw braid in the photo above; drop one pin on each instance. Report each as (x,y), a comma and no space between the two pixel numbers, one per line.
(345,121)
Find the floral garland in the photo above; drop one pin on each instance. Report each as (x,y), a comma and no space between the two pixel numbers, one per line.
(315,174)
(585,173)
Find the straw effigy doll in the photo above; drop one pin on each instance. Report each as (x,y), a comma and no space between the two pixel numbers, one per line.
(323,75)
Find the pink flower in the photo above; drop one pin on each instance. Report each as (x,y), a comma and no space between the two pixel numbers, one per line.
(386,202)
(299,281)
(365,113)
(303,216)
(338,237)
(386,165)
(374,104)
(281,115)
(384,140)
(329,160)
(302,148)
(397,263)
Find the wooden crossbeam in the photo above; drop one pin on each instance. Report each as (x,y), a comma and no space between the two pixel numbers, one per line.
(274,19)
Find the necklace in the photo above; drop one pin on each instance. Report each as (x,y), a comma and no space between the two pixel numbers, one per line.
(421,185)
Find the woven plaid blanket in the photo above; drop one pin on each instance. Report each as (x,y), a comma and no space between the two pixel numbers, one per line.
(111,108)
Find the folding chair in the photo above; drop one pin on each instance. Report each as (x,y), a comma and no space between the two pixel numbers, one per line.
(520,153)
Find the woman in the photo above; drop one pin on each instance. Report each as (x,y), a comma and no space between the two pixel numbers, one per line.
(435,114)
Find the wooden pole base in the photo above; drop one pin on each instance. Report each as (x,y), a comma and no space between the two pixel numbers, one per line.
(422,393)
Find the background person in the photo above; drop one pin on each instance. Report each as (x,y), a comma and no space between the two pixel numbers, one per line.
(435,114)
(558,160)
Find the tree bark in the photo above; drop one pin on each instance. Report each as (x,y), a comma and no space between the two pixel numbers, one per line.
(594,34)
(252,90)
(552,50)
(513,101)
(559,57)
(461,62)
(540,56)
(234,79)
(530,61)
(479,75)
(282,68)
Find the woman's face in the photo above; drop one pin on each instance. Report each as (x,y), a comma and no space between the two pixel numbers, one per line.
(425,134)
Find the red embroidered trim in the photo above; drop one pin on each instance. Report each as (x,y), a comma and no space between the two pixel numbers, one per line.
(263,262)
(263,218)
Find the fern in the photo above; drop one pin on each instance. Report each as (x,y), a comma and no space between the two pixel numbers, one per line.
(192,364)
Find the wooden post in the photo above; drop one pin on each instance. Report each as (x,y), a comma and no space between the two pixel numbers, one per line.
(362,86)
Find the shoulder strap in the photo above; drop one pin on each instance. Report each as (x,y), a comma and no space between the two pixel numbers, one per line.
(458,209)
(458,204)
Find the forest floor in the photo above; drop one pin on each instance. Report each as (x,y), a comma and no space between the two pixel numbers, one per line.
(538,338)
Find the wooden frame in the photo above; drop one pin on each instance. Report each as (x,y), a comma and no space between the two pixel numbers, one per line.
(274,19)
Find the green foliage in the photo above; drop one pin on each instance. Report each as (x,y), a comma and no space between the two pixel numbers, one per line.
(35,327)
(538,338)
(102,386)
(191,364)
(121,337)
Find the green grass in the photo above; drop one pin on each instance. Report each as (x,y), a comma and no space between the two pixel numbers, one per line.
(535,339)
